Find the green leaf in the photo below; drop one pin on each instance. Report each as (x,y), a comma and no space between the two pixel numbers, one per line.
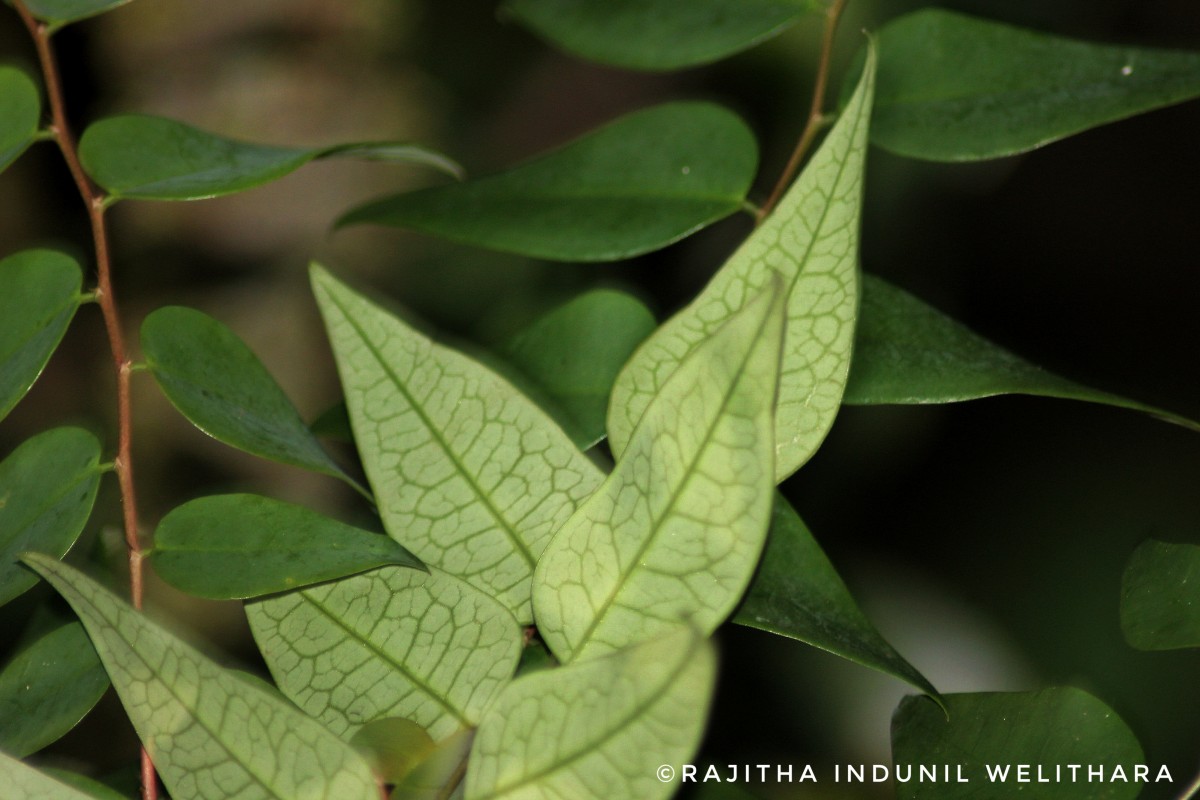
(657,34)
(91,788)
(20,113)
(61,12)
(394,746)
(215,381)
(141,157)
(811,240)
(906,352)
(569,358)
(41,292)
(1160,596)
(598,729)
(212,734)
(469,473)
(47,488)
(437,777)
(243,545)
(1046,730)
(390,643)
(958,88)
(23,782)
(674,534)
(637,184)
(797,593)
(47,688)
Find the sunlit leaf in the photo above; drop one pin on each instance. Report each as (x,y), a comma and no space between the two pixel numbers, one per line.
(637,184)
(957,88)
(598,729)
(41,293)
(391,643)
(212,735)
(811,240)
(674,534)
(440,773)
(47,488)
(152,158)
(20,113)
(243,545)
(657,34)
(797,593)
(393,746)
(469,474)
(1028,734)
(23,782)
(1160,596)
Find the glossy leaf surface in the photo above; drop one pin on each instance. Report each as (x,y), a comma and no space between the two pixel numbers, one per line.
(20,113)
(657,34)
(673,535)
(811,241)
(23,782)
(41,293)
(469,474)
(599,729)
(798,593)
(244,545)
(956,88)
(1160,596)
(632,186)
(212,734)
(1049,729)
(47,488)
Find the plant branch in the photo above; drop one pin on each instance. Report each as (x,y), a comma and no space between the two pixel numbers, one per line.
(816,115)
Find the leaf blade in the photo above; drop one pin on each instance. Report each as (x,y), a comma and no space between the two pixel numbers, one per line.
(23,782)
(20,113)
(1160,601)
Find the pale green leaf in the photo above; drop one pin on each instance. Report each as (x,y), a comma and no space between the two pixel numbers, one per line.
(440,776)
(637,184)
(23,782)
(957,88)
(1047,730)
(390,643)
(244,545)
(599,729)
(47,488)
(674,534)
(1160,596)
(41,293)
(469,474)
(657,34)
(394,746)
(60,12)
(90,787)
(811,240)
(20,113)
(212,735)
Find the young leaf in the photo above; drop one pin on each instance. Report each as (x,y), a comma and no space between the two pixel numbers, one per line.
(797,593)
(141,157)
(47,488)
(41,293)
(599,729)
(60,12)
(640,183)
(469,473)
(811,240)
(958,88)
(212,734)
(243,545)
(1160,596)
(23,782)
(390,643)
(657,34)
(1046,730)
(20,113)
(673,535)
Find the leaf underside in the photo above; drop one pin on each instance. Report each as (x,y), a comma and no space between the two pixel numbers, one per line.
(23,782)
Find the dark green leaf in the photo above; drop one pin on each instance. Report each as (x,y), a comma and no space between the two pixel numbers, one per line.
(47,487)
(635,185)
(657,34)
(153,158)
(957,88)
(1160,596)
(91,788)
(243,545)
(393,746)
(906,352)
(47,688)
(798,593)
(1046,731)
(334,423)
(20,113)
(41,292)
(60,12)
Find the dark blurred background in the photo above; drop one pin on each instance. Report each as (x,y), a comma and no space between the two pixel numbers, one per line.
(985,539)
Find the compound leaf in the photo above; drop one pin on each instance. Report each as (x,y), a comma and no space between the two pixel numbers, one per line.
(244,545)
(811,240)
(673,535)
(1160,596)
(637,184)
(23,782)
(212,734)
(20,113)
